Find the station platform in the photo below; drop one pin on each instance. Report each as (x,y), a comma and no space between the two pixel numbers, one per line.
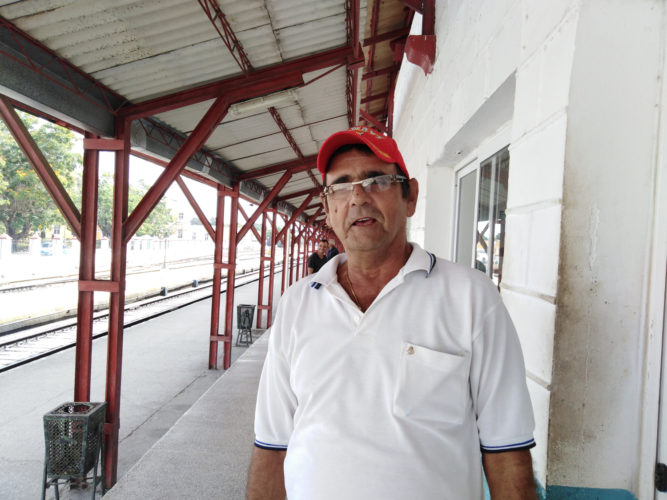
(207,452)
(185,430)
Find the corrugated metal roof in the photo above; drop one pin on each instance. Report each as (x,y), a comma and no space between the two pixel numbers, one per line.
(142,49)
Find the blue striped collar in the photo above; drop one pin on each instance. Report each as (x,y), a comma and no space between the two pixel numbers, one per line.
(419,260)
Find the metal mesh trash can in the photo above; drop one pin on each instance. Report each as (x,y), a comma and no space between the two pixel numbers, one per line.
(74,440)
(244,316)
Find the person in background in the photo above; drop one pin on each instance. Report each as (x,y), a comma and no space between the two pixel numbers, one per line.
(332,251)
(318,258)
(391,373)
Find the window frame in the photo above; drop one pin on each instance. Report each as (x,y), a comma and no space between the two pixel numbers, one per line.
(473,162)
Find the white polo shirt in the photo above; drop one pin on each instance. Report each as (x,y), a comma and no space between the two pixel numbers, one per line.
(396,402)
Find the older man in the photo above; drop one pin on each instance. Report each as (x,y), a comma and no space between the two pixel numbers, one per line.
(391,374)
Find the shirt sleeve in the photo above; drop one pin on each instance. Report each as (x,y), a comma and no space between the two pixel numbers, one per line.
(276,402)
(498,382)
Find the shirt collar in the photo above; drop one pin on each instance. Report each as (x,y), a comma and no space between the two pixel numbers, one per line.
(419,260)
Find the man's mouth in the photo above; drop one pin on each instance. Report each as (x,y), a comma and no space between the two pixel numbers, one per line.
(364,221)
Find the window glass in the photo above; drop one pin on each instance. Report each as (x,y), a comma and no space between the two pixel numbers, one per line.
(486,234)
(466,218)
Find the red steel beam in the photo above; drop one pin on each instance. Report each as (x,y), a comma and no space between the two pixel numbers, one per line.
(260,82)
(272,267)
(231,279)
(372,120)
(216,16)
(85,308)
(285,131)
(390,35)
(194,141)
(185,173)
(41,165)
(196,207)
(217,279)
(371,50)
(296,213)
(295,166)
(375,97)
(380,72)
(264,204)
(252,227)
(262,259)
(296,194)
(416,5)
(116,305)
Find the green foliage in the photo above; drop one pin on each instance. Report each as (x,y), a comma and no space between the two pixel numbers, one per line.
(160,223)
(25,205)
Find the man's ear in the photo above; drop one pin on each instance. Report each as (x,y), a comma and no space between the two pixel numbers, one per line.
(326,208)
(412,197)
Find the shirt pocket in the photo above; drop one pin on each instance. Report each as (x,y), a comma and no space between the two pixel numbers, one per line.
(432,386)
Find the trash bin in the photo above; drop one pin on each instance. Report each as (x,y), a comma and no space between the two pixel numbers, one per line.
(74,440)
(244,316)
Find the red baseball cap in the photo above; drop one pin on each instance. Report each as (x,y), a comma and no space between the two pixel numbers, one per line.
(384,147)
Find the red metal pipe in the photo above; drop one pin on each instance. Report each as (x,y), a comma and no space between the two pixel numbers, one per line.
(116,305)
(217,279)
(85,308)
(231,278)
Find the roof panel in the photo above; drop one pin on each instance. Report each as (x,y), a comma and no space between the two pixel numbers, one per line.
(143,49)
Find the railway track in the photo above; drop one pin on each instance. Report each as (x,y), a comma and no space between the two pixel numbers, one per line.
(20,347)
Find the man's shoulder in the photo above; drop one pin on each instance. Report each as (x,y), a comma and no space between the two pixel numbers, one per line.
(454,274)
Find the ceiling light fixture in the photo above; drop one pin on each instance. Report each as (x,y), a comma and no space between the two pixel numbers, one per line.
(263,103)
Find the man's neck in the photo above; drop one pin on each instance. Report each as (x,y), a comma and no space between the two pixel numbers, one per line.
(367,273)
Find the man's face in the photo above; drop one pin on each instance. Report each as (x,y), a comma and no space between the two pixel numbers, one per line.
(321,248)
(363,221)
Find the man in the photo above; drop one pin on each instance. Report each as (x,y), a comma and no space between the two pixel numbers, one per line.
(391,374)
(318,258)
(332,251)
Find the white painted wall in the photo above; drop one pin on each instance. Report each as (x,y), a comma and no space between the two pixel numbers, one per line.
(610,166)
(575,87)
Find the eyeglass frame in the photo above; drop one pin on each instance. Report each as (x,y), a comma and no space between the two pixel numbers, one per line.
(364,183)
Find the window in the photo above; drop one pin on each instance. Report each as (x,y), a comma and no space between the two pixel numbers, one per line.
(480,220)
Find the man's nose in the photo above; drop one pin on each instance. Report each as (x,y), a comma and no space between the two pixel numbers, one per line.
(358,195)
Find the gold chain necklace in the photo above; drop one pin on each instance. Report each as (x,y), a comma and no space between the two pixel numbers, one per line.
(354,295)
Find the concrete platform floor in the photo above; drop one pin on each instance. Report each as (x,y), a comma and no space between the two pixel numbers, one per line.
(207,452)
(165,371)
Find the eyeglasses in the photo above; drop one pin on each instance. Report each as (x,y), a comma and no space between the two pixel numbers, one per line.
(377,184)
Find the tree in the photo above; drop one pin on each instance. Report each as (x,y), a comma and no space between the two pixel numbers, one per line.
(160,223)
(25,205)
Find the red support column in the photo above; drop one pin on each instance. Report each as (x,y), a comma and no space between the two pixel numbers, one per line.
(85,309)
(231,276)
(217,279)
(291,255)
(272,267)
(262,259)
(285,274)
(299,261)
(116,304)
